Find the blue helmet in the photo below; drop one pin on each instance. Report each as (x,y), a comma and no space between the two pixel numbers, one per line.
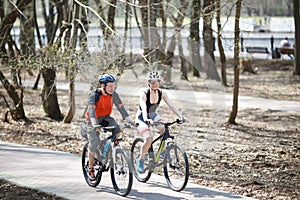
(105,78)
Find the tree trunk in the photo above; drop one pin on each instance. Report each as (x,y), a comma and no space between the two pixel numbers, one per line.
(220,45)
(83,35)
(233,113)
(111,18)
(122,60)
(49,95)
(72,106)
(18,112)
(145,28)
(207,28)
(183,68)
(73,41)
(297,37)
(194,43)
(164,25)
(9,20)
(209,58)
(177,22)
(27,42)
(169,59)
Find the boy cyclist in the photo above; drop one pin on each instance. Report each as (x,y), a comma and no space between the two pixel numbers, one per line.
(100,107)
(146,114)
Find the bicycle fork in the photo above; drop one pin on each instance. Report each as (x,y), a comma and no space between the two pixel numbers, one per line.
(174,165)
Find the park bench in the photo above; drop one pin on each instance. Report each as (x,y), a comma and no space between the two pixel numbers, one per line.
(257,50)
(284,50)
(287,50)
(260,50)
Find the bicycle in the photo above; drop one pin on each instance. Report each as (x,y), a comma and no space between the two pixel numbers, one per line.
(174,161)
(116,160)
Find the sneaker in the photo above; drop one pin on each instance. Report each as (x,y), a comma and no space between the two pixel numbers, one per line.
(140,166)
(91,175)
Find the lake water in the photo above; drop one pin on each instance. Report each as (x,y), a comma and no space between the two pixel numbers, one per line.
(278,28)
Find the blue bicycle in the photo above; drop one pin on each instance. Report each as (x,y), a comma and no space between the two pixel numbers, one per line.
(115,160)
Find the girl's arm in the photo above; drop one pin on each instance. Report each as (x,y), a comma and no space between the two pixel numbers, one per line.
(143,106)
(171,105)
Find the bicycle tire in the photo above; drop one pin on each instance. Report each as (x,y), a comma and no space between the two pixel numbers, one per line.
(176,167)
(85,164)
(135,154)
(121,173)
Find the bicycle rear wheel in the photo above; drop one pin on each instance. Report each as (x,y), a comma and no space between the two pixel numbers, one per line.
(148,163)
(176,167)
(85,168)
(121,173)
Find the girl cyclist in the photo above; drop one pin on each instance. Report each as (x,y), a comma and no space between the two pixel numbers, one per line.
(146,114)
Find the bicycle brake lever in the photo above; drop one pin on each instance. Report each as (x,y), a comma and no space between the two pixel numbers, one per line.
(180,121)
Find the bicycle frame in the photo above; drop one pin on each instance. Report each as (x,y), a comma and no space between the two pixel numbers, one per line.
(114,144)
(163,138)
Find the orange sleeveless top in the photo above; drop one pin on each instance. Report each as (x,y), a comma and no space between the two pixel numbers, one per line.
(104,106)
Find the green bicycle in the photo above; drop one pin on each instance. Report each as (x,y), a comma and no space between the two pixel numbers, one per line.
(174,161)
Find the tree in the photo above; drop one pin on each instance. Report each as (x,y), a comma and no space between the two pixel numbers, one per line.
(194,41)
(73,14)
(178,22)
(49,64)
(209,58)
(297,36)
(17,113)
(6,39)
(234,110)
(220,45)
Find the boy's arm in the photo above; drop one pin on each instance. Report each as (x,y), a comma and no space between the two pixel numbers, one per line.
(120,106)
(92,107)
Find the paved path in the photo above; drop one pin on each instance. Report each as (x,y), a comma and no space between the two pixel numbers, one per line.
(60,173)
(216,100)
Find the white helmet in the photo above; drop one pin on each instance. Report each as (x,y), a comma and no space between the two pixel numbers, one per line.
(154,75)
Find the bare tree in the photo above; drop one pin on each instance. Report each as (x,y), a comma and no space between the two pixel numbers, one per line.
(209,58)
(18,111)
(208,11)
(220,45)
(50,63)
(177,21)
(73,17)
(194,41)
(234,110)
(6,39)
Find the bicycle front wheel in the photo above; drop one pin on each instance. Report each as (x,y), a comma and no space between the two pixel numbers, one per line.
(85,168)
(148,162)
(176,167)
(121,173)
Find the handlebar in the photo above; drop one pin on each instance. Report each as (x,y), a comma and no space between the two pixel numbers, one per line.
(109,128)
(104,128)
(166,124)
